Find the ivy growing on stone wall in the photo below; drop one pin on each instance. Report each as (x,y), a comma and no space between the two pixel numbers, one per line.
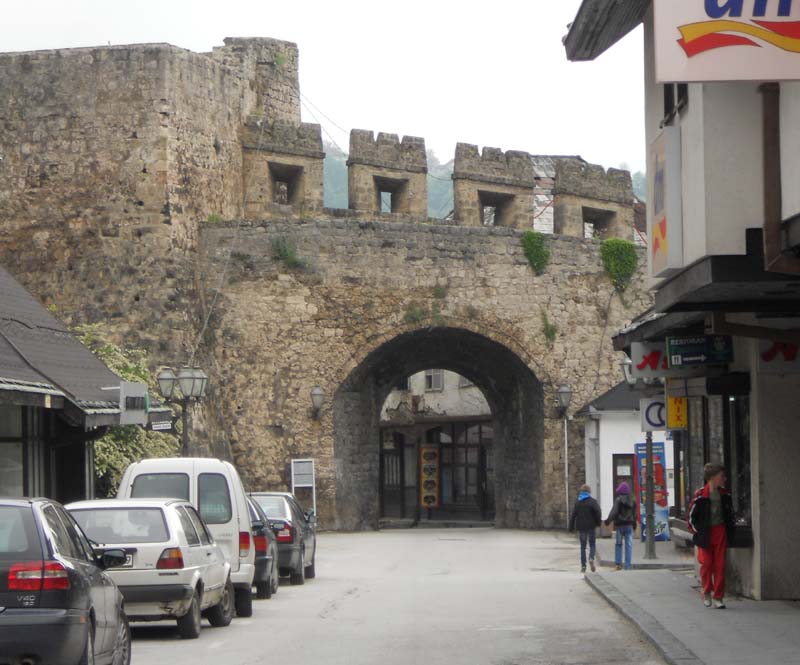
(549,330)
(620,261)
(285,252)
(130,443)
(534,245)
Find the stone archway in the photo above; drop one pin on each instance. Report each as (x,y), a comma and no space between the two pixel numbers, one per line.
(513,391)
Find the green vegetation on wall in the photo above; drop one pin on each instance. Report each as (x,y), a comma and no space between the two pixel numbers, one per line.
(285,252)
(620,261)
(534,245)
(123,445)
(549,330)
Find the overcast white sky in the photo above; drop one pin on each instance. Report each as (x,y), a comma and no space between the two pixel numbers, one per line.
(490,72)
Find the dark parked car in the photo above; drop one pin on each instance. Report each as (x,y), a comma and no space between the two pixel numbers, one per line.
(59,606)
(295,532)
(267,577)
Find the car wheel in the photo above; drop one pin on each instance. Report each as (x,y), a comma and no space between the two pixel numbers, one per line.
(221,614)
(264,590)
(189,623)
(299,576)
(275,579)
(88,650)
(311,569)
(244,602)
(122,645)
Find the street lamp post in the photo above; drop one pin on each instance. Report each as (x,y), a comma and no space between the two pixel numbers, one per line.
(564,397)
(187,385)
(650,481)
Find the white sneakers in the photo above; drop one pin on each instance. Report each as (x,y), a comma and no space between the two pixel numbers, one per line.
(718,603)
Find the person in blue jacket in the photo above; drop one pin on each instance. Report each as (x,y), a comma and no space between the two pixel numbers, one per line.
(586,517)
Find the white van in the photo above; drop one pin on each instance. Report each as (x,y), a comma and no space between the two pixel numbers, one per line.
(215,489)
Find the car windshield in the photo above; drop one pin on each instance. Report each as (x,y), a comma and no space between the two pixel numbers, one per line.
(161,486)
(18,536)
(123,525)
(273,506)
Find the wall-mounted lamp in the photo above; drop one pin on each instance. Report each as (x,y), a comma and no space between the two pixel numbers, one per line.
(627,371)
(563,398)
(317,400)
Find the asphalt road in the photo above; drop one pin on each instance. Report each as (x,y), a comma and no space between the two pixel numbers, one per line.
(433,597)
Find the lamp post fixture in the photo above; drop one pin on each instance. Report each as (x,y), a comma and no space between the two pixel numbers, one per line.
(650,481)
(317,400)
(183,387)
(563,398)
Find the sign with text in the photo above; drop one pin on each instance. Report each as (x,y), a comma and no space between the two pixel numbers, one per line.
(654,414)
(660,486)
(429,481)
(665,225)
(778,357)
(727,40)
(649,361)
(699,350)
(677,413)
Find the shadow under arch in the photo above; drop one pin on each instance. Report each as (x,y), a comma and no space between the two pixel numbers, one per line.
(515,396)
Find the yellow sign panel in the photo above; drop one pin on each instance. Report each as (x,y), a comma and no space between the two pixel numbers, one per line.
(677,413)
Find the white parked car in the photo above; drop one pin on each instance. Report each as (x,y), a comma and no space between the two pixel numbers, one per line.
(173,568)
(215,489)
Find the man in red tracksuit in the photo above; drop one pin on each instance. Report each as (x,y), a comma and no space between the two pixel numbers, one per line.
(711,521)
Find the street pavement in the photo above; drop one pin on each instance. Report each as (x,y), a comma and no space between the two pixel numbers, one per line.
(454,597)
(666,606)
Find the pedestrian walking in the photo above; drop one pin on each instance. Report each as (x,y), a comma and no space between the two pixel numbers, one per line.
(586,517)
(623,515)
(711,520)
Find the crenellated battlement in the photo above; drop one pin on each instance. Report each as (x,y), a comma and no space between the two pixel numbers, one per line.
(512,168)
(579,178)
(282,137)
(387,151)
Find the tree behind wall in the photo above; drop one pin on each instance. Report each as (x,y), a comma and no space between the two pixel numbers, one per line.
(129,443)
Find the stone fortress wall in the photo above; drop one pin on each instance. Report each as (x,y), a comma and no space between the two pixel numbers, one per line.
(140,183)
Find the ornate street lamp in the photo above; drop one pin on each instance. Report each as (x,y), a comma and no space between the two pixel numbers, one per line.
(317,400)
(184,387)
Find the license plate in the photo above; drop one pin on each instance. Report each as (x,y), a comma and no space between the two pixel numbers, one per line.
(128,561)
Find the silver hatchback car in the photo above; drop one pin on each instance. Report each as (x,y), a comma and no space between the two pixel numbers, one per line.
(173,568)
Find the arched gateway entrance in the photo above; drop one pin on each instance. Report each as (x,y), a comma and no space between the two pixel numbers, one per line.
(514,394)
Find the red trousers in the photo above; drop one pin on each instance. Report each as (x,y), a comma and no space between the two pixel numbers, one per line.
(712,562)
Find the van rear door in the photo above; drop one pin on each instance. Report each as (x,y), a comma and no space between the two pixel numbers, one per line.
(215,505)
(21,557)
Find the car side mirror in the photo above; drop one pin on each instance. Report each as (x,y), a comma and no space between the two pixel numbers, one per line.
(311,517)
(257,525)
(112,559)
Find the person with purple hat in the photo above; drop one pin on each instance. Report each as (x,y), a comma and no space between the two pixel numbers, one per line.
(623,514)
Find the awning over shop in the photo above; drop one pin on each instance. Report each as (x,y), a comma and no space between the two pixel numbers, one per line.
(600,24)
(656,327)
(43,364)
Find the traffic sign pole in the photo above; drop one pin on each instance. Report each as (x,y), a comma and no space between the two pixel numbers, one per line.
(650,500)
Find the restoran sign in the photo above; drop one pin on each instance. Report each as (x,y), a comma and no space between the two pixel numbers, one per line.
(727,40)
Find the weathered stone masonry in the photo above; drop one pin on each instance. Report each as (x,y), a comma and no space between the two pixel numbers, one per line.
(120,165)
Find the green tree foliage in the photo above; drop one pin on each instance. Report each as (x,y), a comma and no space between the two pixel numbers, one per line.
(620,261)
(129,443)
(536,251)
(640,185)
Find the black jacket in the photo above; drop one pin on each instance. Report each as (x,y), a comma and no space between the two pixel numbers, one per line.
(586,515)
(624,512)
(700,517)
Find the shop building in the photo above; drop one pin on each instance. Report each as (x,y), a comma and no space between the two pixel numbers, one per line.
(56,398)
(437,413)
(723,167)
(613,429)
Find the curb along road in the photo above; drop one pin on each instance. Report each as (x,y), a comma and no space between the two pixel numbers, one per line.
(670,647)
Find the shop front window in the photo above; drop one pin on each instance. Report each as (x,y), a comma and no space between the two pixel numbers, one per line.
(737,455)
